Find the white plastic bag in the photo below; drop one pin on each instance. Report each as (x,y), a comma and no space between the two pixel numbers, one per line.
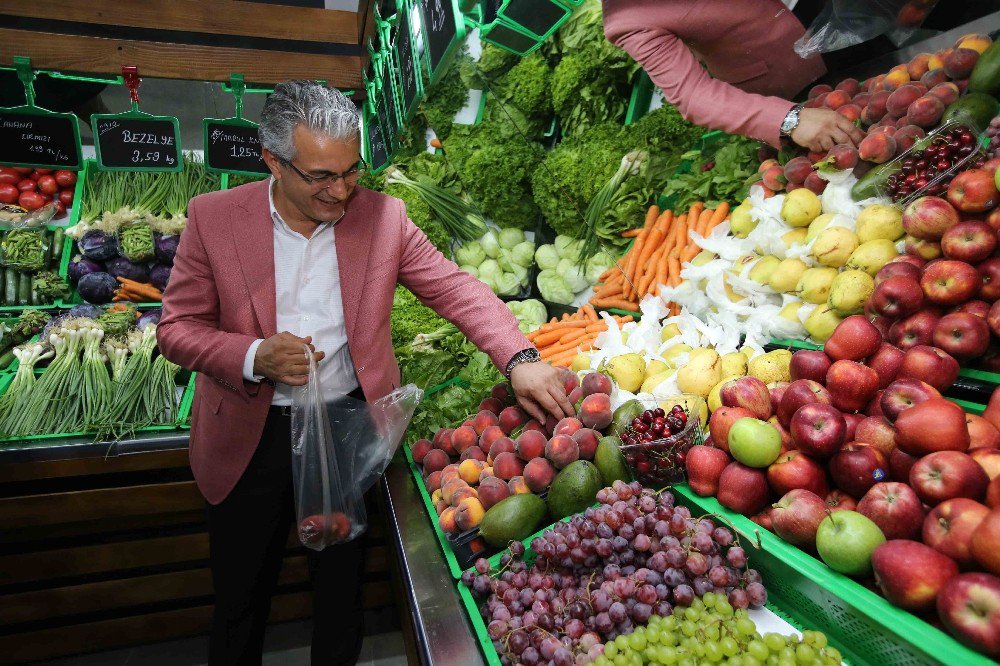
(339,449)
(844,23)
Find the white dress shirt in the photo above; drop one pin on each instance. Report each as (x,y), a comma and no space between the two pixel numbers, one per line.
(308,302)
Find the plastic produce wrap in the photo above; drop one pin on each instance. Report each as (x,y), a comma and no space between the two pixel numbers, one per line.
(339,449)
(844,23)
(25,245)
(836,198)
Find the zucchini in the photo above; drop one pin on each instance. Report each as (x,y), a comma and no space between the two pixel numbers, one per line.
(33,300)
(48,249)
(10,287)
(6,359)
(24,289)
(3,281)
(58,240)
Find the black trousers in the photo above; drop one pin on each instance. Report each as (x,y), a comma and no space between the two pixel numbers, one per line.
(247,535)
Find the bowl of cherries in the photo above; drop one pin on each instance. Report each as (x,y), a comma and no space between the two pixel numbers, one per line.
(928,167)
(656,443)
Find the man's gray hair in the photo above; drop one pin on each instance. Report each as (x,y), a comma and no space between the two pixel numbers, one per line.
(308,103)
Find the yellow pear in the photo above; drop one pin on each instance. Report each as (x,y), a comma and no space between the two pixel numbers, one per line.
(652,382)
(700,373)
(772,366)
(818,225)
(748,352)
(794,237)
(694,405)
(791,312)
(880,221)
(833,246)
(730,292)
(743,262)
(734,363)
(870,257)
(849,292)
(786,276)
(669,331)
(821,322)
(740,222)
(714,397)
(627,370)
(814,285)
(675,351)
(763,269)
(580,362)
(800,207)
(703,258)
(655,367)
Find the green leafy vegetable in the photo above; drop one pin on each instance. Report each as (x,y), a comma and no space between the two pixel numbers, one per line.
(410,318)
(724,174)
(445,99)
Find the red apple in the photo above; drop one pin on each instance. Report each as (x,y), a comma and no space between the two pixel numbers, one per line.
(800,392)
(949,526)
(919,262)
(704,465)
(809,364)
(985,545)
(777,391)
(989,277)
(854,339)
(853,421)
(969,607)
(971,241)
(858,467)
(933,425)
(993,319)
(963,335)
(749,393)
(910,574)
(900,465)
(897,297)
(948,282)
(743,489)
(883,324)
(979,308)
(928,218)
(838,500)
(899,269)
(982,433)
(875,406)
(886,363)
(930,365)
(903,394)
(787,443)
(764,519)
(992,412)
(796,517)
(794,470)
(895,508)
(973,191)
(988,459)
(917,329)
(877,433)
(993,494)
(945,475)
(818,429)
(722,420)
(852,385)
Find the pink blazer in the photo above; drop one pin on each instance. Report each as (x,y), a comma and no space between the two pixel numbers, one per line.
(745,44)
(221,297)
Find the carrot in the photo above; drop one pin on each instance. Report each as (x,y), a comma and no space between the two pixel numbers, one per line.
(558,336)
(631,233)
(140,289)
(590,313)
(624,320)
(633,260)
(703,221)
(607,274)
(554,350)
(652,244)
(650,273)
(663,222)
(720,214)
(436,143)
(598,327)
(678,230)
(651,216)
(619,303)
(560,325)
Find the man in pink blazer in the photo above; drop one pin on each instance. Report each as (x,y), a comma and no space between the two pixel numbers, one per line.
(752,71)
(304,258)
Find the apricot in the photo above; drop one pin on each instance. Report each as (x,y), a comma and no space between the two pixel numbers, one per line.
(468,470)
(774,179)
(818,90)
(595,411)
(960,63)
(850,111)
(815,183)
(850,86)
(897,76)
(491,405)
(530,444)
(934,77)
(484,420)
(473,453)
(502,445)
(492,490)
(464,437)
(946,92)
(595,382)
(836,99)
(446,521)
(538,474)
(875,110)
(936,61)
(843,156)
(917,66)
(511,418)
(490,435)
(878,148)
(567,426)
(419,449)
(907,136)
(587,439)
(926,111)
(978,43)
(433,481)
(518,486)
(507,466)
(442,441)
(561,450)
(767,164)
(901,98)
(435,461)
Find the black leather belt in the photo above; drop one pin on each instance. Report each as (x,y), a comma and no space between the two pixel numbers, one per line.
(285,411)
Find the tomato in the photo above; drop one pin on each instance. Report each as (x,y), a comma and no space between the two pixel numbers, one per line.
(24,171)
(60,209)
(30,200)
(8,193)
(66,197)
(45,197)
(42,172)
(66,178)
(8,175)
(27,185)
(47,185)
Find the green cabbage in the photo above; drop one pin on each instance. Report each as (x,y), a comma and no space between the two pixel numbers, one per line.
(470,269)
(491,246)
(470,253)
(572,272)
(554,288)
(523,253)
(546,257)
(510,238)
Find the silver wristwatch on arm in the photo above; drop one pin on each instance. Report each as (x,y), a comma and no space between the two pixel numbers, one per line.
(529,355)
(791,120)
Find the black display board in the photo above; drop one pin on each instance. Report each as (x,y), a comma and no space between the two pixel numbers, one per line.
(537,17)
(233,146)
(409,72)
(134,142)
(36,138)
(442,28)
(378,153)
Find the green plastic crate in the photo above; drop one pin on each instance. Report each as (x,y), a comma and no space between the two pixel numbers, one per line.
(184,409)
(442,538)
(7,309)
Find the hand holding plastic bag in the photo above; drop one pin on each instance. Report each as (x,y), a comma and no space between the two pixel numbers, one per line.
(339,449)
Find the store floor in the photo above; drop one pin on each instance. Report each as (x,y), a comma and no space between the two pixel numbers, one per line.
(285,645)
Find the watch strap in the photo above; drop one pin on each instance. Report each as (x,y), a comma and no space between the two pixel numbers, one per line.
(529,355)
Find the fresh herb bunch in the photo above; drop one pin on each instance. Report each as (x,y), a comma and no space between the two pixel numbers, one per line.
(722,174)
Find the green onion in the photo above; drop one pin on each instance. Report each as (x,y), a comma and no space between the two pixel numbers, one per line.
(600,204)
(461,218)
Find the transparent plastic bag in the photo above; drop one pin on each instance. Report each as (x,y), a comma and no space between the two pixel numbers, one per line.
(339,449)
(844,23)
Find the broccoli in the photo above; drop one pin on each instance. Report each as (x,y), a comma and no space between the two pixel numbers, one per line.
(410,317)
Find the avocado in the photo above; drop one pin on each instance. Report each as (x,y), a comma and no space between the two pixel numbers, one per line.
(610,462)
(985,77)
(574,489)
(512,519)
(977,106)
(623,416)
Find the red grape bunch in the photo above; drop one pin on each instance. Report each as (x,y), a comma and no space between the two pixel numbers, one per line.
(923,166)
(993,133)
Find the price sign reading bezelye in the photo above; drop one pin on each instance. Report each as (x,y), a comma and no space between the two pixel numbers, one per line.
(34,137)
(442,29)
(136,141)
(232,145)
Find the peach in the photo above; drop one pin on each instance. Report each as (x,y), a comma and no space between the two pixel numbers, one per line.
(946,92)
(897,76)
(791,187)
(877,84)
(774,178)
(469,422)
(815,183)
(440,505)
(434,481)
(850,111)
(502,445)
(570,380)
(878,148)
(538,474)
(449,472)
(936,61)
(926,111)
(901,98)
(903,122)
(815,102)
(442,441)
(595,411)
(503,393)
(767,164)
(818,90)
(490,435)
(562,450)
(435,461)
(492,490)
(469,513)
(450,486)
(815,157)
(963,85)
(874,111)
(977,43)
(463,493)
(934,77)
(419,449)
(511,418)
(851,86)
(587,439)
(484,420)
(436,497)
(531,444)
(595,382)
(917,66)
(907,136)
(486,473)
(464,438)
(836,99)
(507,466)
(446,521)
(862,99)
(533,425)
(473,453)
(518,486)
(550,424)
(576,395)
(843,156)
(567,426)
(798,169)
(960,63)
(468,470)
(491,405)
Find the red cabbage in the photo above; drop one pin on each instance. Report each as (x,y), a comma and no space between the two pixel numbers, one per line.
(150,317)
(97,245)
(159,276)
(122,267)
(86,310)
(80,266)
(97,287)
(165,248)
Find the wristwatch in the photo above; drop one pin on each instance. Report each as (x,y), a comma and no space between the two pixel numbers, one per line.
(529,355)
(791,120)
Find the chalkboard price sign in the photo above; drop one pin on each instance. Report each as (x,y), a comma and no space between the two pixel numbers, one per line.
(136,141)
(441,26)
(34,137)
(378,153)
(233,146)
(409,74)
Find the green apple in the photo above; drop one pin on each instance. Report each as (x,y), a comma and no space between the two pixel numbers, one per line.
(845,540)
(754,443)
